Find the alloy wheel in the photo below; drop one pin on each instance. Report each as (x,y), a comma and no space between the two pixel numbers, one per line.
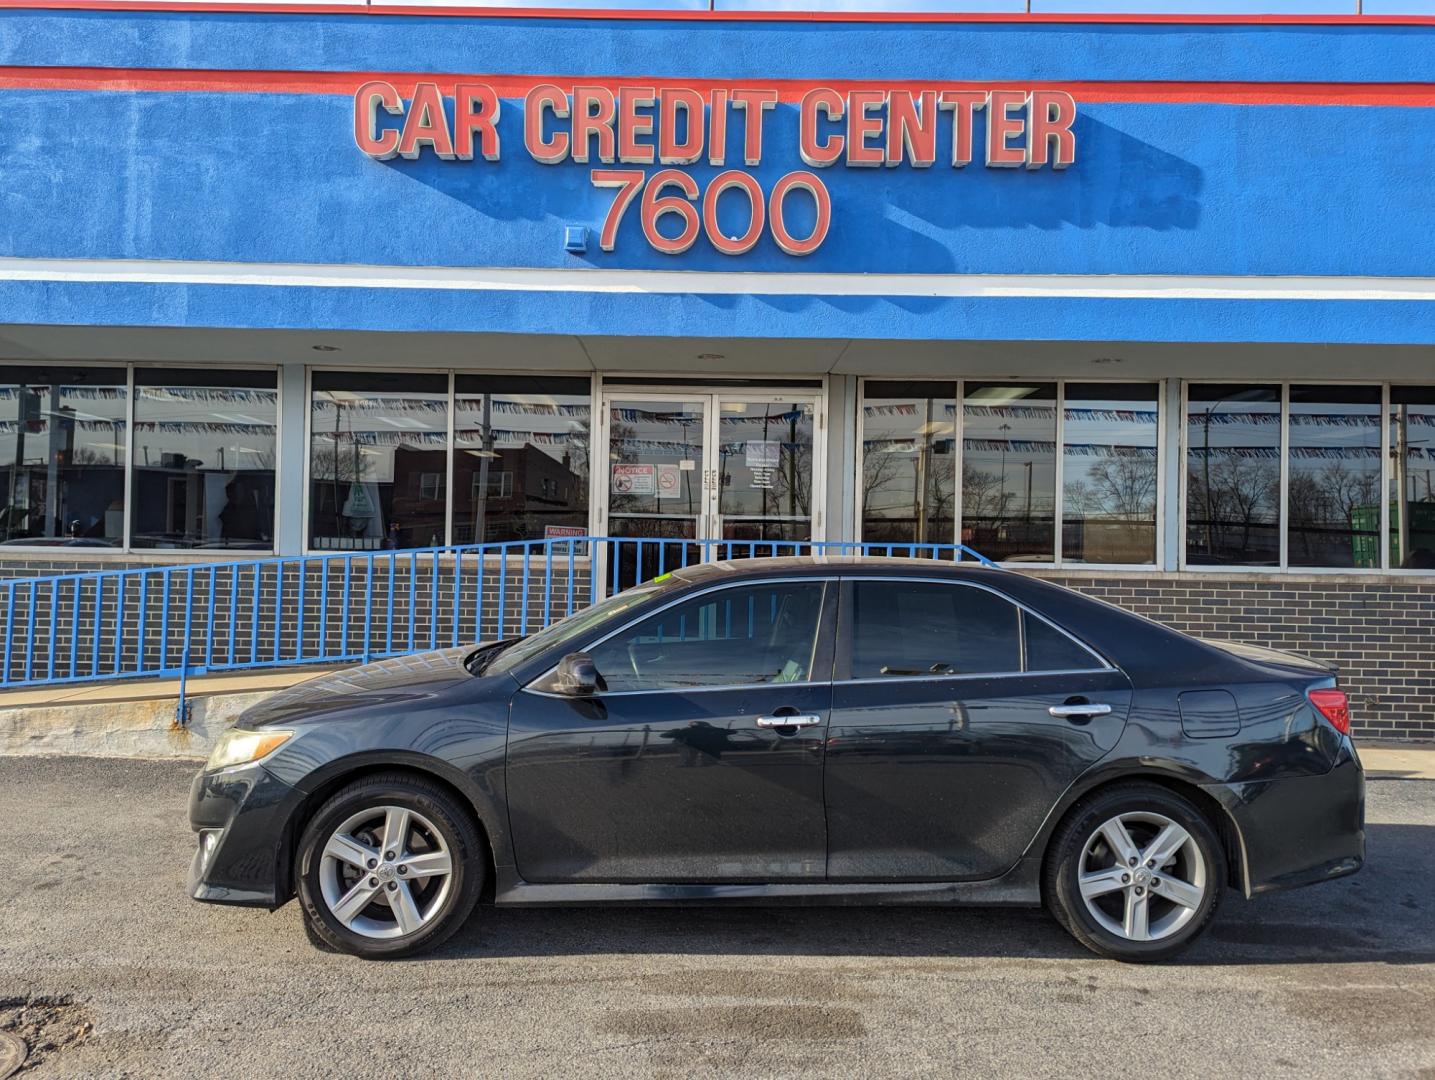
(1142,876)
(385,872)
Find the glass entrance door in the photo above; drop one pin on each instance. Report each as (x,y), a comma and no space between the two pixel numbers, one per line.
(682,467)
(655,466)
(766,451)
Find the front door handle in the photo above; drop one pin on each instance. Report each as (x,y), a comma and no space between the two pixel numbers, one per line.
(800,720)
(1084,710)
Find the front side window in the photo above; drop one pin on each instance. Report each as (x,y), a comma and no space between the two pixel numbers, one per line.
(752,635)
(520,457)
(62,456)
(204,458)
(902,629)
(373,438)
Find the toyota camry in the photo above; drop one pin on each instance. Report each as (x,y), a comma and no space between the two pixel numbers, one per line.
(798,730)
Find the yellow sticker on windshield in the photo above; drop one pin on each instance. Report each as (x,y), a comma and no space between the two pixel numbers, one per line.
(662,577)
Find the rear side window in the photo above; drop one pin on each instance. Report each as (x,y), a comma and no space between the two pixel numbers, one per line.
(912,628)
(1048,649)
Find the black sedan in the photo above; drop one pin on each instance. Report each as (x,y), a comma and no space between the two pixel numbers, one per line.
(800,731)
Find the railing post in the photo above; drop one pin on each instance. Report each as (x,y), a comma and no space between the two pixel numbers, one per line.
(182,709)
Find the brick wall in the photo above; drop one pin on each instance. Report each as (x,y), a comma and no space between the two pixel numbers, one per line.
(1379,630)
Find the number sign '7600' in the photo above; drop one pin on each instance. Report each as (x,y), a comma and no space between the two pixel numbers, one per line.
(603,123)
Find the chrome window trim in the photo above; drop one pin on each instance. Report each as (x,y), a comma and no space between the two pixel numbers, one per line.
(808,683)
(893,680)
(717,587)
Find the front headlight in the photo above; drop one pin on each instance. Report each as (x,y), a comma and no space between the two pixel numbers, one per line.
(239,747)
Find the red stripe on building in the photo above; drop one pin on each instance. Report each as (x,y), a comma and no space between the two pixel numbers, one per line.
(790,90)
(723,16)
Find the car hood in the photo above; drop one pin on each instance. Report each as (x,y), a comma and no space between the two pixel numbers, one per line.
(401,680)
(1272,657)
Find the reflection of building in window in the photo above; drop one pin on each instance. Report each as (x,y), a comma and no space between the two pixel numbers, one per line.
(62,455)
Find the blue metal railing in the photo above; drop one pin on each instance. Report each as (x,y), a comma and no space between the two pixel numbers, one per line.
(193,619)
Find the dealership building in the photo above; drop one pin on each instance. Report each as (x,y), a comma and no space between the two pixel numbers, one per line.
(1144,305)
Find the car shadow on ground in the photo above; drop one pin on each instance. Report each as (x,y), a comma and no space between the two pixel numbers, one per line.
(1385,914)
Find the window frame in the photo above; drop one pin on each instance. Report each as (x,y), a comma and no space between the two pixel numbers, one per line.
(167,555)
(1283,524)
(842,671)
(1058,562)
(823,650)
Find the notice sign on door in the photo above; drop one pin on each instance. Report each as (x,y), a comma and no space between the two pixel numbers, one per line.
(762,455)
(634,479)
(670,482)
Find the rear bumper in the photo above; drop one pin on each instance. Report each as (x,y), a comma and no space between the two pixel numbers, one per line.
(241,819)
(1301,830)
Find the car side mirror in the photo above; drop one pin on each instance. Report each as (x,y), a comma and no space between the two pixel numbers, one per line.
(577,676)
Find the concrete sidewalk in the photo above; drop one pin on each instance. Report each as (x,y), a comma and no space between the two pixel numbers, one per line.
(135,718)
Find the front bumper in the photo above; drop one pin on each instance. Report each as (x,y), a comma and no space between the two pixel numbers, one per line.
(1301,830)
(241,817)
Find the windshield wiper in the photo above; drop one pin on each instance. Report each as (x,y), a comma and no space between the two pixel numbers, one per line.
(477,661)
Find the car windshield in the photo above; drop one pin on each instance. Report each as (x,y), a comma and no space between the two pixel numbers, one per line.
(577,624)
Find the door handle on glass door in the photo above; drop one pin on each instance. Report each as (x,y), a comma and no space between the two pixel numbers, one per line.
(801,720)
(1084,710)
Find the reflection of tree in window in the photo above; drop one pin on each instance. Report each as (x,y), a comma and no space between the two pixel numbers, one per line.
(1333,500)
(908,454)
(1233,443)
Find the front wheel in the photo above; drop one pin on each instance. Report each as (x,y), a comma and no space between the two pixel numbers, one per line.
(390,866)
(1135,873)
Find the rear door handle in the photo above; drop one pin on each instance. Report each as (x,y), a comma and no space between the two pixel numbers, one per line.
(800,720)
(1083,710)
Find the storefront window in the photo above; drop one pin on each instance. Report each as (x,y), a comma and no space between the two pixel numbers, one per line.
(378,460)
(62,456)
(1109,472)
(1233,475)
(520,468)
(204,453)
(1333,493)
(1009,470)
(1412,478)
(908,482)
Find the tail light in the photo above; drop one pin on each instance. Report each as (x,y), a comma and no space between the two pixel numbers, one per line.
(1334,706)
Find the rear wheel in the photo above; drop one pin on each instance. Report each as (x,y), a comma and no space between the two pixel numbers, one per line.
(388,867)
(1135,873)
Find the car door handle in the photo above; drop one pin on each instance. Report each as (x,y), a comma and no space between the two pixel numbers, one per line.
(799,720)
(1079,710)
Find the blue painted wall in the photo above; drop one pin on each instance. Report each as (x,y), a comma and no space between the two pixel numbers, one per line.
(1157,188)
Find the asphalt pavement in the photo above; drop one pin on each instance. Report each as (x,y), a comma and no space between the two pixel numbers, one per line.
(107,969)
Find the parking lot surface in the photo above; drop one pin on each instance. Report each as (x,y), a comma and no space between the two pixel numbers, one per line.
(109,970)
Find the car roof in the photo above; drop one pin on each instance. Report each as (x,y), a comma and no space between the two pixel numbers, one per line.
(847,565)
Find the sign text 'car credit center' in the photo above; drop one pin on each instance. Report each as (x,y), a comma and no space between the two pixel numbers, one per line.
(677,126)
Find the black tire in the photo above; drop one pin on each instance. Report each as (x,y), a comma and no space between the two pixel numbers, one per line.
(1067,852)
(455,825)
